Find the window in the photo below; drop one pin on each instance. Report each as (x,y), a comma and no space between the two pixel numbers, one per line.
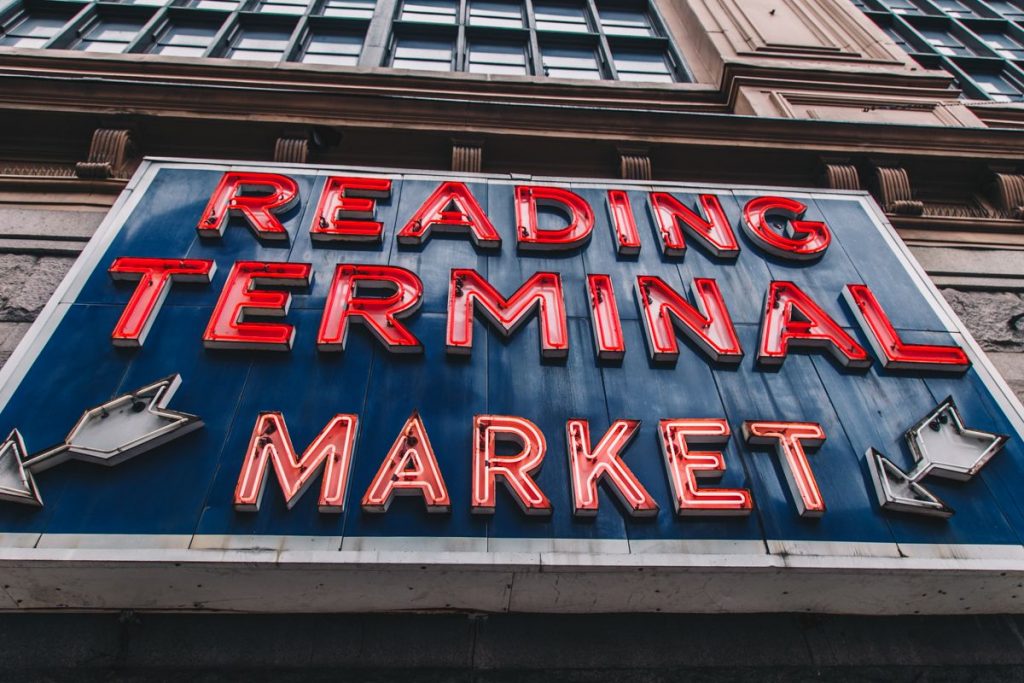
(998,87)
(501,14)
(225,5)
(333,48)
(567,18)
(897,38)
(109,34)
(1005,46)
(1010,10)
(946,43)
(262,44)
(350,9)
(621,22)
(497,58)
(642,66)
(902,6)
(429,11)
(32,30)
(184,40)
(570,62)
(432,55)
(954,8)
(283,6)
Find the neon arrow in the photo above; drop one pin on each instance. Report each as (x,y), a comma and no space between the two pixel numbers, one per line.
(108,434)
(942,446)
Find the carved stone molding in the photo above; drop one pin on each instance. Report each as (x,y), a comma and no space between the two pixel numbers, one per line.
(1009,194)
(895,193)
(112,154)
(291,150)
(635,164)
(841,175)
(467,156)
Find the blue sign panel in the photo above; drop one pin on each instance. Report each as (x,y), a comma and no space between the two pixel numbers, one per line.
(359,358)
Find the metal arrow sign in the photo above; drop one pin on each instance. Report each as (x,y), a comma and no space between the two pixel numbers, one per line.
(942,446)
(108,434)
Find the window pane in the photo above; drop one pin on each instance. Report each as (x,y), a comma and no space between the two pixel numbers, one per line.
(560,62)
(431,11)
(483,13)
(110,35)
(178,51)
(620,22)
(226,5)
(256,54)
(1005,46)
(283,6)
(328,48)
(955,8)
(561,18)
(497,58)
(643,66)
(946,43)
(261,40)
(902,6)
(353,9)
(997,87)
(33,31)
(196,35)
(1010,10)
(423,54)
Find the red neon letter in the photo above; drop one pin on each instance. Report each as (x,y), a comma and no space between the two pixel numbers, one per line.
(379,314)
(790,316)
(894,353)
(790,439)
(542,292)
(664,310)
(588,467)
(451,208)
(685,467)
(715,232)
(514,470)
(346,209)
(604,318)
(254,196)
(154,276)
(227,328)
(627,237)
(409,468)
(812,245)
(529,234)
(331,451)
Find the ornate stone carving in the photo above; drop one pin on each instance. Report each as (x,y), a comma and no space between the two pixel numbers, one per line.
(112,154)
(895,193)
(467,156)
(291,150)
(635,165)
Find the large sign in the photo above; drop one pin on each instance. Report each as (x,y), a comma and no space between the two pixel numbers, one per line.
(506,393)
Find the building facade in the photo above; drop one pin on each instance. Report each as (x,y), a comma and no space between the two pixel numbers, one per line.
(915,101)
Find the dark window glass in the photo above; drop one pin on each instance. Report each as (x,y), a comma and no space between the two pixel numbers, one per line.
(503,14)
(621,22)
(946,43)
(1004,45)
(352,9)
(1010,10)
(429,11)
(954,8)
(633,65)
(333,48)
(902,6)
(32,30)
(262,44)
(283,6)
(570,62)
(897,38)
(432,55)
(184,40)
(225,5)
(568,18)
(998,87)
(497,58)
(110,35)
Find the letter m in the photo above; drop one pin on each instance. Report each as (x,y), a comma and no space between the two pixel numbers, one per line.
(541,294)
(331,451)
